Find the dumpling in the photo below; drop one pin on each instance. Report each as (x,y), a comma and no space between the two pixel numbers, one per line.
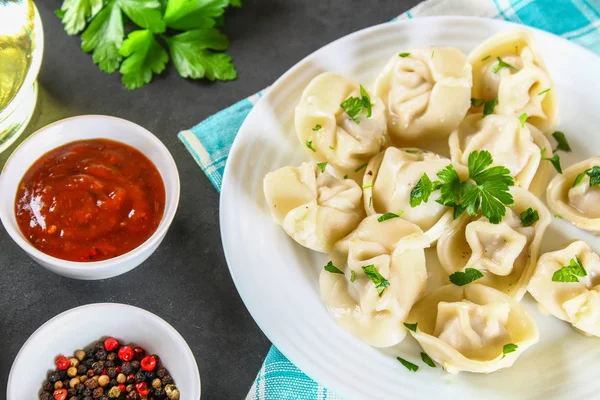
(371,308)
(389,180)
(566,283)
(426,91)
(326,131)
(576,199)
(515,146)
(505,253)
(313,207)
(507,67)
(472,328)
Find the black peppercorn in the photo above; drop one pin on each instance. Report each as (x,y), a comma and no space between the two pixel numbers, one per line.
(53,377)
(101,354)
(111,372)
(48,386)
(89,353)
(97,368)
(167,379)
(86,391)
(87,398)
(109,363)
(88,362)
(73,398)
(62,374)
(126,368)
(160,394)
(150,375)
(45,396)
(140,376)
(98,346)
(72,392)
(161,372)
(113,382)
(82,369)
(91,384)
(157,358)
(135,364)
(104,397)
(112,356)
(98,392)
(133,395)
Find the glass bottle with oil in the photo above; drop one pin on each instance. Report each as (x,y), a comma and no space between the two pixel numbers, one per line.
(21,49)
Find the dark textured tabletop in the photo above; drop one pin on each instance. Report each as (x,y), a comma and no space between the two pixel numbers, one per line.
(186,281)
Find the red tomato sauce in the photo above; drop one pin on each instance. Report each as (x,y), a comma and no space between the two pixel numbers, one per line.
(90,200)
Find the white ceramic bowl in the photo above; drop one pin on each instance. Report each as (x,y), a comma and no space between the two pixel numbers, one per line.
(80,327)
(81,128)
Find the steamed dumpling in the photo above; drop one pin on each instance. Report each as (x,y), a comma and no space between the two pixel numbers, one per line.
(389,179)
(520,85)
(505,253)
(577,203)
(426,93)
(466,328)
(395,249)
(576,301)
(313,207)
(512,145)
(328,134)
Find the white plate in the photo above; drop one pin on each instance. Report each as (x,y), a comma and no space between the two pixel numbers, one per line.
(278,279)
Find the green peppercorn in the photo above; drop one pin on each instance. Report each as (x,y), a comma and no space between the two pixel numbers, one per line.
(72,372)
(80,355)
(172,392)
(114,392)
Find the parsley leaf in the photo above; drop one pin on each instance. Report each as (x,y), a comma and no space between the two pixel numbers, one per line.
(593,173)
(352,276)
(332,268)
(389,215)
(489,106)
(571,272)
(555,160)
(361,167)
(509,348)
(309,144)
(421,191)
(404,55)
(186,14)
(412,327)
(477,102)
(523,118)
(193,58)
(380,282)
(317,127)
(561,139)
(353,106)
(450,187)
(366,100)
(144,57)
(464,278)
(544,91)
(104,37)
(77,12)
(427,360)
(501,64)
(529,217)
(369,185)
(486,58)
(59,13)
(322,166)
(145,14)
(409,366)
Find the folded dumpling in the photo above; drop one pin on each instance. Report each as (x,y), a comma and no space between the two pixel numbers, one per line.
(329,133)
(426,91)
(392,175)
(575,195)
(473,328)
(312,206)
(512,144)
(381,273)
(508,68)
(505,253)
(566,284)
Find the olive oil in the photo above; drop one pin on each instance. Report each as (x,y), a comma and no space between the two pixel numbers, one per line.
(20,53)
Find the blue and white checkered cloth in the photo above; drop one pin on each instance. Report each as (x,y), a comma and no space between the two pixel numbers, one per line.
(209,142)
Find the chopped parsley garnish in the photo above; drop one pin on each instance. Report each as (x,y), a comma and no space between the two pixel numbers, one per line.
(529,217)
(309,144)
(370,201)
(544,91)
(370,185)
(561,139)
(464,278)
(404,55)
(509,348)
(593,173)
(477,102)
(361,167)
(317,127)
(558,216)
(571,272)
(353,106)
(345,176)
(421,191)
(389,215)
(332,148)
(523,118)
(555,160)
(322,166)
(409,366)
(380,282)
(486,58)
(333,269)
(427,360)
(501,64)
(432,53)
(412,327)
(352,276)
(409,151)
(489,106)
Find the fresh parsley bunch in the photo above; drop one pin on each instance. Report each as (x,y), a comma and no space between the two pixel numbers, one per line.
(187,28)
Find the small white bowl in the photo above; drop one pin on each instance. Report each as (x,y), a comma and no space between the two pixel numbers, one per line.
(82,128)
(82,326)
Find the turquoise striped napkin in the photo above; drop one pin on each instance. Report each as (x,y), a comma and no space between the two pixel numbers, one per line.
(209,142)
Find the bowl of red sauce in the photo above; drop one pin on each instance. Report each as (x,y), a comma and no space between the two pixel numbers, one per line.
(89,197)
